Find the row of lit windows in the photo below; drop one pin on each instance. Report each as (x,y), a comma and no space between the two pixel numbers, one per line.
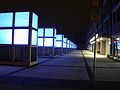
(21,19)
(20,36)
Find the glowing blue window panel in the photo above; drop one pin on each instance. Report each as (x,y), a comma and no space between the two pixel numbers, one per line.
(58,44)
(40,41)
(118,45)
(55,32)
(64,45)
(6,19)
(48,32)
(34,21)
(40,32)
(65,40)
(6,36)
(34,37)
(48,42)
(67,45)
(58,37)
(54,41)
(21,36)
(22,19)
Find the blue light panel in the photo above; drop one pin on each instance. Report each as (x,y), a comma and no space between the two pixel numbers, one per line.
(6,36)
(118,45)
(68,43)
(55,32)
(65,42)
(40,32)
(21,36)
(58,43)
(22,19)
(35,21)
(40,41)
(58,37)
(48,32)
(34,37)
(48,42)
(54,42)
(6,19)
(64,45)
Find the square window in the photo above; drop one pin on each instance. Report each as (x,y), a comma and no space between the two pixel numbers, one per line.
(58,37)
(21,19)
(64,45)
(40,41)
(21,36)
(34,21)
(40,32)
(48,32)
(6,36)
(34,37)
(48,42)
(58,43)
(6,19)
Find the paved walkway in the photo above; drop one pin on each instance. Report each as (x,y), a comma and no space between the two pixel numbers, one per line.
(107,70)
(66,72)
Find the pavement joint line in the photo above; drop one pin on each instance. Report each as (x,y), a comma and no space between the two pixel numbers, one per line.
(64,66)
(47,60)
(90,74)
(107,67)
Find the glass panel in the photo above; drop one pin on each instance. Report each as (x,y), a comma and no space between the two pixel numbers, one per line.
(54,41)
(40,32)
(58,44)
(40,41)
(35,21)
(6,36)
(67,45)
(55,33)
(21,36)
(48,42)
(34,37)
(48,32)
(118,44)
(58,37)
(22,19)
(64,45)
(65,40)
(6,19)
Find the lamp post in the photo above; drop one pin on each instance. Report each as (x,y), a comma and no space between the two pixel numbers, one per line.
(94,63)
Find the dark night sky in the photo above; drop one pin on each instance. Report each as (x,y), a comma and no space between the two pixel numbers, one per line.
(68,16)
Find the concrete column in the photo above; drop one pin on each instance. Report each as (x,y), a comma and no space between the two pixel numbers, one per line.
(102,47)
(98,47)
(107,47)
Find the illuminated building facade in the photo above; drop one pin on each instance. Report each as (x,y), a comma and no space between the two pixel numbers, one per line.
(108,29)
